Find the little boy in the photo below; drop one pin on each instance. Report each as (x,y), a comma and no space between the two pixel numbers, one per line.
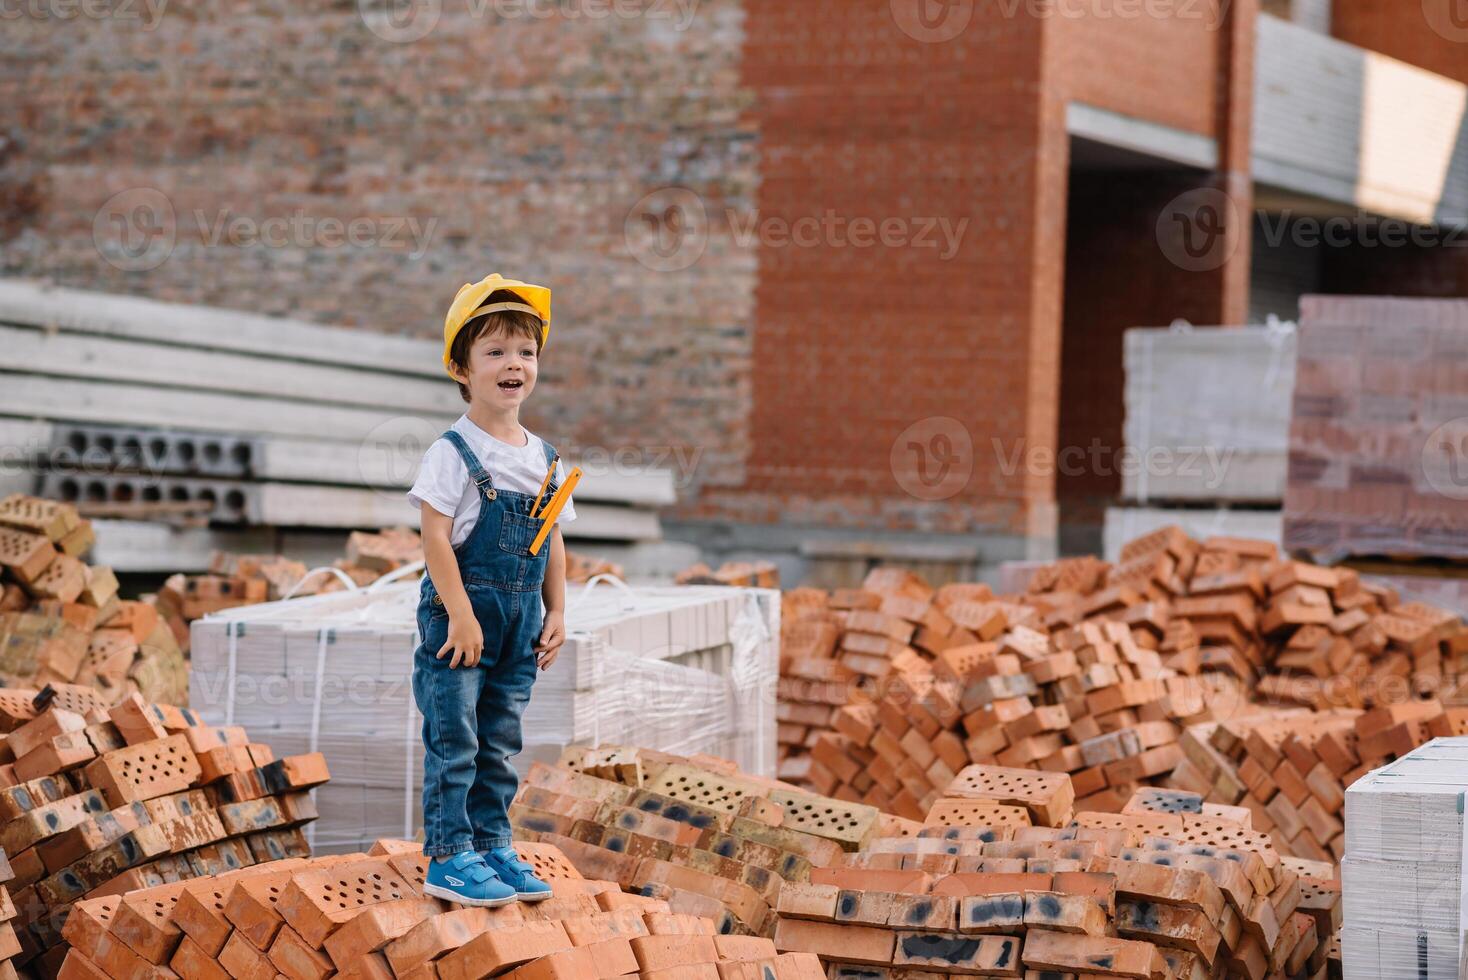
(479,611)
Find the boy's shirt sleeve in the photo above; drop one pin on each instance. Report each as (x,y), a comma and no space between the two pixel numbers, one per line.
(568,512)
(441,479)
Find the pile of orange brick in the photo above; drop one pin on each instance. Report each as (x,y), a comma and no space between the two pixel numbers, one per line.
(889,690)
(98,800)
(243,580)
(365,915)
(745,574)
(61,620)
(583,568)
(1000,877)
(1291,768)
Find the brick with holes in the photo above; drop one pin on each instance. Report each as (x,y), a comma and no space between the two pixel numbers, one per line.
(144,920)
(316,903)
(144,771)
(89,920)
(251,906)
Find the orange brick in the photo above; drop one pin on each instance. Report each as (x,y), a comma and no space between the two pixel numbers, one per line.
(745,948)
(77,966)
(853,944)
(499,950)
(663,952)
(1045,950)
(243,961)
(297,959)
(611,958)
(144,921)
(583,930)
(191,962)
(376,926)
(673,924)
(437,934)
(251,906)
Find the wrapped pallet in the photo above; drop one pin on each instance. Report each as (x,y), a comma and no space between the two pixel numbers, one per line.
(1208,413)
(1403,870)
(683,669)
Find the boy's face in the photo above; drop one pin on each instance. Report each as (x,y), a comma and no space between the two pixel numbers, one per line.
(502,368)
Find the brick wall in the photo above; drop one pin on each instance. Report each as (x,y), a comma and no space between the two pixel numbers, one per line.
(517,145)
(820,381)
(1430,34)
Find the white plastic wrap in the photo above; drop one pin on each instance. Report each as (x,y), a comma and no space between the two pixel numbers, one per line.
(1208,413)
(680,669)
(1402,874)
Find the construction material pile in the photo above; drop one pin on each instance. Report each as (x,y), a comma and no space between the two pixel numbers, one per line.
(583,568)
(61,621)
(889,690)
(100,800)
(1292,768)
(365,915)
(748,574)
(244,580)
(1002,875)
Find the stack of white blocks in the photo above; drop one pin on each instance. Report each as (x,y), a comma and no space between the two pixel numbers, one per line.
(679,669)
(1402,875)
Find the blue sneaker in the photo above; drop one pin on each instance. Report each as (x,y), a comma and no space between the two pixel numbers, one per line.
(465,879)
(518,874)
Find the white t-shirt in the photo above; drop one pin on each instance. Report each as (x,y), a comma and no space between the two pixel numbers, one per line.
(443,480)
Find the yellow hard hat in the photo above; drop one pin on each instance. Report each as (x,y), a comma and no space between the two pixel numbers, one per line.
(469,303)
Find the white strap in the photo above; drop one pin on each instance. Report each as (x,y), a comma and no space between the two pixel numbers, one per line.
(345,580)
(232,631)
(323,637)
(629,598)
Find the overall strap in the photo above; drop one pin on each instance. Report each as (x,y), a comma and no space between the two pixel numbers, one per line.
(550,452)
(476,471)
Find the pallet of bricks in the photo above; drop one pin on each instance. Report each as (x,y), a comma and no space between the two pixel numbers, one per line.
(245,580)
(61,621)
(1291,768)
(1000,877)
(1095,671)
(365,915)
(98,800)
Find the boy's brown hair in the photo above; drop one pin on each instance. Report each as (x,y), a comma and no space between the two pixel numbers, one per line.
(513,323)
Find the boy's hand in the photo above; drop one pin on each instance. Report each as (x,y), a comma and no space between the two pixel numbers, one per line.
(552,636)
(466,639)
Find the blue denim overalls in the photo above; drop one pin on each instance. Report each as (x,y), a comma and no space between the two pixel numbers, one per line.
(471,715)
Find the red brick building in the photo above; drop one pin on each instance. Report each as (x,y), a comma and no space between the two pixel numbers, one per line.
(862,266)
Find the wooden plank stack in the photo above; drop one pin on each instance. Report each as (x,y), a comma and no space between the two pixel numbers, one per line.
(98,800)
(365,915)
(1094,671)
(61,620)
